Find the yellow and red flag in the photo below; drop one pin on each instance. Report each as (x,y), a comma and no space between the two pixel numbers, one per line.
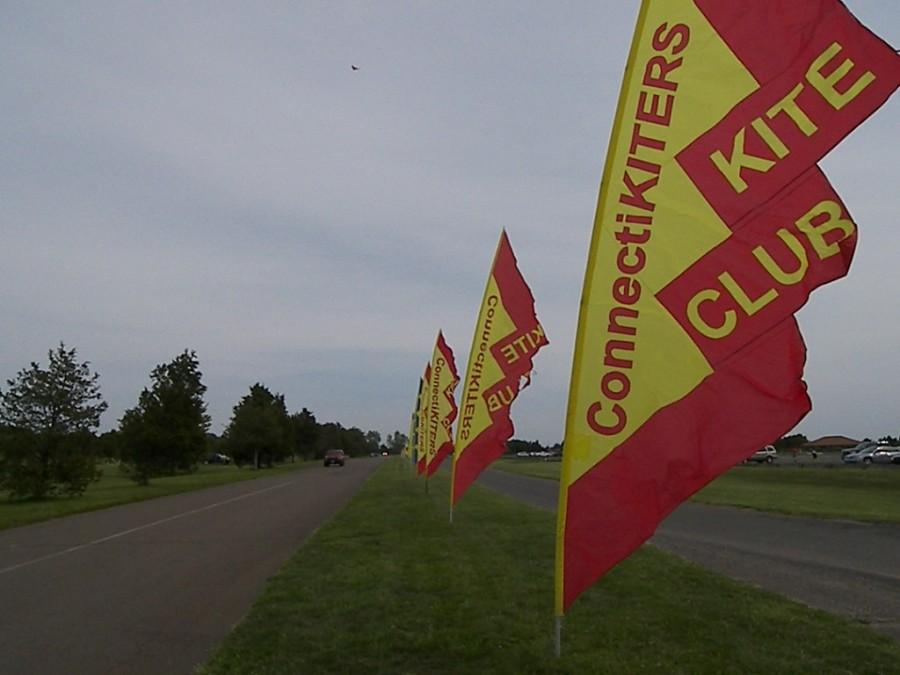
(713,226)
(422,422)
(507,336)
(440,408)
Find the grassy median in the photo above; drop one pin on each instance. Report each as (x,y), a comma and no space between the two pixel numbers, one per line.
(115,488)
(388,586)
(855,493)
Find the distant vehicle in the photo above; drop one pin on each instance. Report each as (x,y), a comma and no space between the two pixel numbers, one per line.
(863,456)
(865,445)
(217,458)
(384,453)
(335,457)
(523,453)
(886,454)
(768,455)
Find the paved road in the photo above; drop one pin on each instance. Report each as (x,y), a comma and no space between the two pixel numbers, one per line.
(153,587)
(842,567)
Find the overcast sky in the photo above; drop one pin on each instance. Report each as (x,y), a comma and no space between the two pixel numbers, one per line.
(214,176)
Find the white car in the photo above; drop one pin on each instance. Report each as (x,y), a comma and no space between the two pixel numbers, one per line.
(861,456)
(768,455)
(886,454)
(864,445)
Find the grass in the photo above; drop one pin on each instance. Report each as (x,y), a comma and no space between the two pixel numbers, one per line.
(871,494)
(388,586)
(859,494)
(530,467)
(116,488)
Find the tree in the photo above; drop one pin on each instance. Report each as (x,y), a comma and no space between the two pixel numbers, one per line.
(260,429)
(107,446)
(305,433)
(49,417)
(166,431)
(515,445)
(373,441)
(793,442)
(396,442)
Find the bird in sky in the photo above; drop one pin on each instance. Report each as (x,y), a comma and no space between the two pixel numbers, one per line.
(352,67)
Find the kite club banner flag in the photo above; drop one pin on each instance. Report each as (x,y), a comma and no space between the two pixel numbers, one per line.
(412,442)
(507,336)
(440,405)
(421,423)
(713,226)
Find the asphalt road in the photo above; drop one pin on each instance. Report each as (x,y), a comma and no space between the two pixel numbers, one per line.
(842,567)
(154,587)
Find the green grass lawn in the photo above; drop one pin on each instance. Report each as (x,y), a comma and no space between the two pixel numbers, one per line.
(871,494)
(388,586)
(115,488)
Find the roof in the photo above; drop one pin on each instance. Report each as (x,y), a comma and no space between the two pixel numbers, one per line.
(832,442)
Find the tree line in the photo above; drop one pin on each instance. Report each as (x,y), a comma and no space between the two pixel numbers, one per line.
(49,417)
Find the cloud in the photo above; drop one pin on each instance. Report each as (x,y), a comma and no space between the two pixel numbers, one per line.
(214,176)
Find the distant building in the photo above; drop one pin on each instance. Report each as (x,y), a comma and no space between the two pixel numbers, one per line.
(831,443)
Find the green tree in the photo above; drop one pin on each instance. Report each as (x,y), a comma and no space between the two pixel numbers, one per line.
(50,415)
(334,436)
(260,430)
(515,445)
(166,431)
(793,442)
(330,437)
(107,446)
(304,433)
(373,441)
(214,444)
(396,442)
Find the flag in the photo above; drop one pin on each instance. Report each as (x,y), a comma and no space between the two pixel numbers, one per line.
(422,423)
(440,408)
(411,440)
(507,336)
(713,226)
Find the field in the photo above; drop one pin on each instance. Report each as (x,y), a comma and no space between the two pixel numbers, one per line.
(116,488)
(871,494)
(389,586)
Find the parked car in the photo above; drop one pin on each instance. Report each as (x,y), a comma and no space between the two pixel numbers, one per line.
(335,457)
(863,456)
(218,458)
(886,454)
(768,455)
(864,445)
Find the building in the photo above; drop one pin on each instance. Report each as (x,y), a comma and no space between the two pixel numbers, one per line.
(830,443)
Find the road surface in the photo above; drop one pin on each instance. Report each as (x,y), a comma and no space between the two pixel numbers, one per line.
(154,587)
(842,567)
